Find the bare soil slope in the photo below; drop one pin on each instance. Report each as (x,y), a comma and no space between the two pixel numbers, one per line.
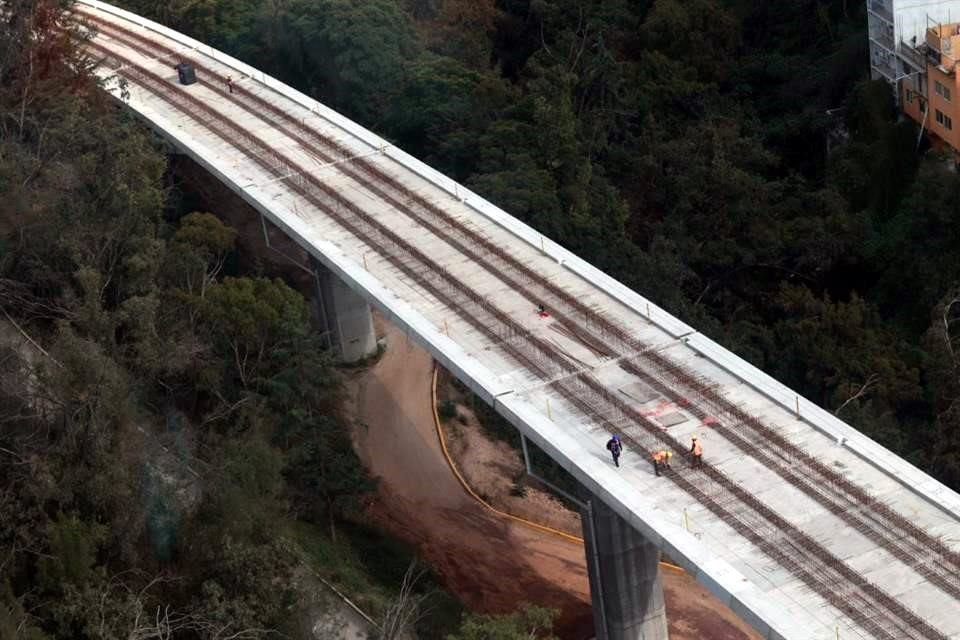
(490,563)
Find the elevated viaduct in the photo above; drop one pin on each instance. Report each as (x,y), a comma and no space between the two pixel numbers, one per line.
(802,525)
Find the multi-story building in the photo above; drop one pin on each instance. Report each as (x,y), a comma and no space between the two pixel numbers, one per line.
(897,28)
(915,45)
(931,96)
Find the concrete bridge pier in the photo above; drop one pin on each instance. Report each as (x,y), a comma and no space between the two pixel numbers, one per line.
(346,316)
(624,570)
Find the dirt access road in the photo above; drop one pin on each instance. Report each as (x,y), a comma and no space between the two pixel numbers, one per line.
(490,563)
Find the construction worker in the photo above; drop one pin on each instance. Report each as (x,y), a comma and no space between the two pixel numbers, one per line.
(615,448)
(230,84)
(661,460)
(696,450)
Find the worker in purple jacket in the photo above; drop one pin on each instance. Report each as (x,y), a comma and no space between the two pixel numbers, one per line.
(615,448)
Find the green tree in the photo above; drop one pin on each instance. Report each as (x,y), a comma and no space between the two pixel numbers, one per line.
(73,553)
(835,351)
(323,469)
(249,319)
(246,500)
(701,32)
(461,29)
(352,53)
(442,108)
(531,622)
(249,587)
(198,252)
(88,279)
(942,345)
(876,168)
(915,245)
(15,623)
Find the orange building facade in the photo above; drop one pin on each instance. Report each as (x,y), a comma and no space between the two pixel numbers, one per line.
(932,96)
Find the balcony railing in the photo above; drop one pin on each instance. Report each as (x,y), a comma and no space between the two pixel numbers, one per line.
(884,38)
(915,57)
(883,45)
(888,71)
(880,9)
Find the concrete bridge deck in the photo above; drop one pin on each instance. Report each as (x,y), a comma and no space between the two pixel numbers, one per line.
(805,527)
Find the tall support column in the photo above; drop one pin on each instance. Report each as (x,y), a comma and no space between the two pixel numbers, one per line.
(526,454)
(624,571)
(323,318)
(348,316)
(345,318)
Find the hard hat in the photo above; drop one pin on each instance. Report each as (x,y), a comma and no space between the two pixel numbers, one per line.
(694,437)
(616,437)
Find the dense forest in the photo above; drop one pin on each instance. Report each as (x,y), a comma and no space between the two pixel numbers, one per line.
(172,442)
(729,159)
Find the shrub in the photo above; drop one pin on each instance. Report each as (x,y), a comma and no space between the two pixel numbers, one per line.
(447,410)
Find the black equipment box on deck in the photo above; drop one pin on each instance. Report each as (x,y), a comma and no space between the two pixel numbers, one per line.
(186,72)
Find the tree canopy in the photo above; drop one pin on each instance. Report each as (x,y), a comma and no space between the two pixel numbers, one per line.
(729,159)
(164,416)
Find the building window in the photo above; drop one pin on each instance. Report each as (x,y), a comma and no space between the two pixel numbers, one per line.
(942,91)
(944,120)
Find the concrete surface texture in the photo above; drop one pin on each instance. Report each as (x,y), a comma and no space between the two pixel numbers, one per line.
(348,318)
(491,564)
(802,525)
(625,583)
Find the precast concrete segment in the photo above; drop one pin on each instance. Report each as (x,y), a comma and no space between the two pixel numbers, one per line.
(868,515)
(452,231)
(532,352)
(545,351)
(773,441)
(270,166)
(805,558)
(897,534)
(442,226)
(871,598)
(624,571)
(263,104)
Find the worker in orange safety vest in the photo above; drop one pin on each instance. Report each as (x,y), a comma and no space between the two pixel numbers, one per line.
(661,460)
(696,450)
